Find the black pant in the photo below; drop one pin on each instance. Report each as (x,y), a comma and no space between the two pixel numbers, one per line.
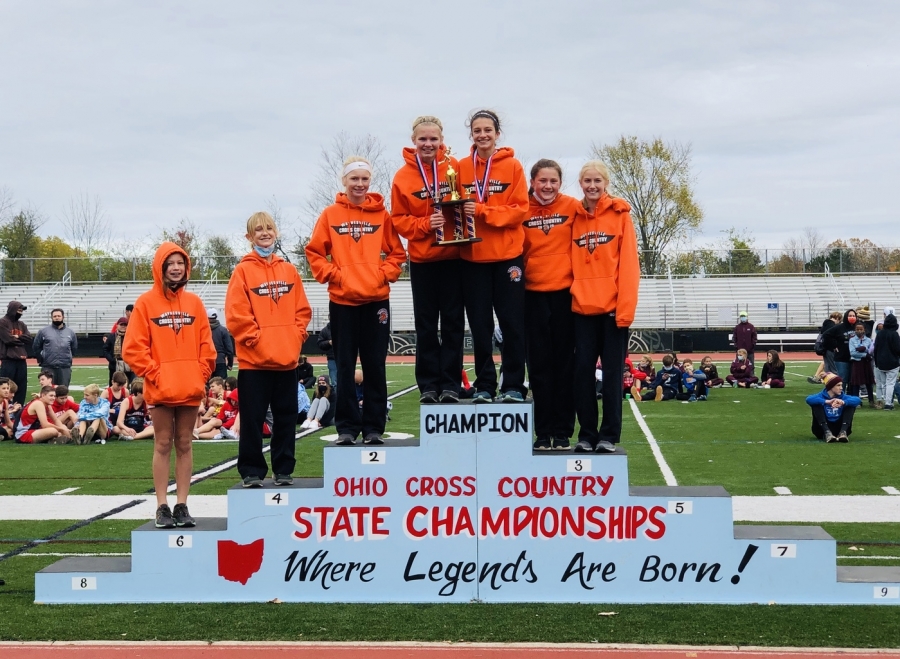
(438,298)
(820,421)
(220,372)
(17,371)
(257,391)
(362,331)
(550,355)
(496,288)
(598,336)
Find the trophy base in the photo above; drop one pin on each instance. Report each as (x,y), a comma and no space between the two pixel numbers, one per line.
(455,242)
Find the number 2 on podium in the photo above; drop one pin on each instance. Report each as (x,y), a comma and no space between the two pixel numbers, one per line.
(374,457)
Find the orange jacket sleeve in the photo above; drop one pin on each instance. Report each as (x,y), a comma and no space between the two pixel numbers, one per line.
(136,344)
(515,211)
(317,251)
(241,321)
(393,251)
(207,351)
(407,225)
(628,275)
(304,312)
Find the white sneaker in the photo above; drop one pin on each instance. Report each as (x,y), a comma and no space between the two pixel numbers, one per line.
(305,424)
(767,386)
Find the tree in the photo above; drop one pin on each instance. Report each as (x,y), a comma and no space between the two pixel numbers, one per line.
(327,181)
(6,203)
(86,224)
(185,234)
(655,178)
(218,256)
(742,257)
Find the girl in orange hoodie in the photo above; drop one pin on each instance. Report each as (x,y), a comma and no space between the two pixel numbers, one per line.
(416,193)
(354,232)
(548,306)
(169,344)
(267,312)
(606,274)
(493,270)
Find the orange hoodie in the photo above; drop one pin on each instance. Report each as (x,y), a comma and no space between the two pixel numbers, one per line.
(267,313)
(355,237)
(548,244)
(411,207)
(605,263)
(498,221)
(169,342)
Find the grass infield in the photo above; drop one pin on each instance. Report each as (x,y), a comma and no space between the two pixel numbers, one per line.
(750,441)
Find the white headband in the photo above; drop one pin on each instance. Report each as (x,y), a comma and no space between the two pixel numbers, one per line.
(359,164)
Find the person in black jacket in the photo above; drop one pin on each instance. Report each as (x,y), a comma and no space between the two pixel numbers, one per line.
(224,344)
(14,343)
(305,373)
(837,338)
(827,365)
(326,346)
(887,361)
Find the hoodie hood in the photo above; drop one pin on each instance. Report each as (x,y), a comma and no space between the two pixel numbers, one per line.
(163,252)
(374,202)
(409,155)
(502,153)
(847,322)
(890,322)
(13,307)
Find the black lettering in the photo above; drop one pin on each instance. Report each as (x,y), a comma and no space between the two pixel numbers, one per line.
(651,568)
(454,424)
(411,577)
(503,422)
(429,423)
(712,570)
(468,423)
(494,427)
(522,423)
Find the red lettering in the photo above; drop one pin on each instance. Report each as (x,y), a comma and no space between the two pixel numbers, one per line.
(570,522)
(305,527)
(455,490)
(617,522)
(411,514)
(341,486)
(498,525)
(506,480)
(378,515)
(638,517)
(379,487)
(554,519)
(409,488)
(425,486)
(342,523)
(659,526)
(464,523)
(594,516)
(587,486)
(440,487)
(469,482)
(438,522)
(557,486)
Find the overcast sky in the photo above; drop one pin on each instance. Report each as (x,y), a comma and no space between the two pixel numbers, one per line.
(206,109)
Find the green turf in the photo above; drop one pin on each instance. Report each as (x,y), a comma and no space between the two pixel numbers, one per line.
(749,447)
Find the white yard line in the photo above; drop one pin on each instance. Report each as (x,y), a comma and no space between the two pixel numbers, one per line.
(891,490)
(67,490)
(783,491)
(654,447)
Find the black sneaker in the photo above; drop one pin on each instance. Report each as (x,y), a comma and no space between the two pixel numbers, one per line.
(345,440)
(253,481)
(842,437)
(182,516)
(584,446)
(448,396)
(482,397)
(828,437)
(428,397)
(542,444)
(373,438)
(605,447)
(164,519)
(284,479)
(561,444)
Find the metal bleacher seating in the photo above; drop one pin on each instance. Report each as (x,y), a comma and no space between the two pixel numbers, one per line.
(802,301)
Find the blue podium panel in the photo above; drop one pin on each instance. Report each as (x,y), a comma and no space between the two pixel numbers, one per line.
(468,512)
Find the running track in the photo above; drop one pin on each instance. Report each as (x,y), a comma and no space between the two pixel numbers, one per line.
(231,650)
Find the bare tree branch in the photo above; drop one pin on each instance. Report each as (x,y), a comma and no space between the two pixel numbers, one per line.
(86,224)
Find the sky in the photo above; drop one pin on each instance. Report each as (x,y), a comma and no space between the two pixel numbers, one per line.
(206,110)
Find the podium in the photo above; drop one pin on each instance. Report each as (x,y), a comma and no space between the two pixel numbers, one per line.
(469,512)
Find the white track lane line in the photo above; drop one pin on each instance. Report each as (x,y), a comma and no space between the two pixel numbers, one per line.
(891,490)
(67,490)
(783,491)
(657,453)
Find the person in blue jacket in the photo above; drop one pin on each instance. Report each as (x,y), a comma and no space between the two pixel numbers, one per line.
(832,410)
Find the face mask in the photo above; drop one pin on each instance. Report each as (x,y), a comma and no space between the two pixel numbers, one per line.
(743,319)
(57,323)
(264,252)
(18,314)
(740,358)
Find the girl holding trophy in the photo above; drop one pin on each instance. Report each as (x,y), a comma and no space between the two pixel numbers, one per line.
(345,251)
(493,268)
(434,270)
(548,306)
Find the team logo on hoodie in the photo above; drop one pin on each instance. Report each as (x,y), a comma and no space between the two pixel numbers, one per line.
(355,229)
(424,193)
(494,186)
(174,319)
(592,239)
(383,316)
(274,289)
(545,222)
(515,273)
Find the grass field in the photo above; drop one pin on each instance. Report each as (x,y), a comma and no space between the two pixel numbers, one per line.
(750,441)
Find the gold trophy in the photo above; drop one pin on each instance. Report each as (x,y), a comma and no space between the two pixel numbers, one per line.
(453,208)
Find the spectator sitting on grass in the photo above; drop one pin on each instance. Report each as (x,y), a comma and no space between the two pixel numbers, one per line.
(64,407)
(305,373)
(45,379)
(713,381)
(215,399)
(226,424)
(675,362)
(741,371)
(667,384)
(13,406)
(772,376)
(115,394)
(37,423)
(6,429)
(302,402)
(632,379)
(93,417)
(319,407)
(694,381)
(646,367)
(832,410)
(134,416)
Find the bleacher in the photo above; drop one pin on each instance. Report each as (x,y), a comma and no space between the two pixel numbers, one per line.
(795,301)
